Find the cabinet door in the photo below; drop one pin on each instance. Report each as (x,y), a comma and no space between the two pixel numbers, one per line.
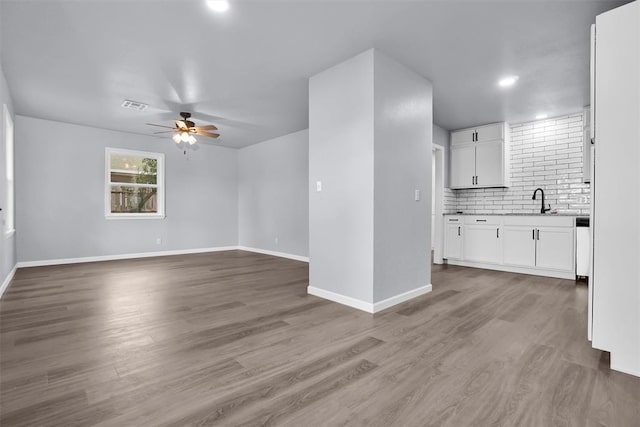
(481,243)
(491,132)
(489,164)
(463,166)
(463,136)
(519,246)
(555,248)
(453,241)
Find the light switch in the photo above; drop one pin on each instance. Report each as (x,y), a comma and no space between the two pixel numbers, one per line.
(416,195)
(318,185)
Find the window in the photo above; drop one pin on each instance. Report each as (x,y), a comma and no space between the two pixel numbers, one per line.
(135,184)
(9,217)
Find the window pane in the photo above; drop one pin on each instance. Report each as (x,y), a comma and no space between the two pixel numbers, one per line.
(126,199)
(133,169)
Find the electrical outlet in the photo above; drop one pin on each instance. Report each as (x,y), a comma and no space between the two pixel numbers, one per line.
(318,186)
(159,241)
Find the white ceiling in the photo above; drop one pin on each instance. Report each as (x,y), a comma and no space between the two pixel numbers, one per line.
(246,70)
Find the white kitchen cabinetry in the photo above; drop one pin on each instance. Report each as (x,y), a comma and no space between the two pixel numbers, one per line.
(519,246)
(549,248)
(479,157)
(555,248)
(482,238)
(523,244)
(453,238)
(490,164)
(464,172)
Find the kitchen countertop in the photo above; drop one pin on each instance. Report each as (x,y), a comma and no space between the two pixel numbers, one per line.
(516,214)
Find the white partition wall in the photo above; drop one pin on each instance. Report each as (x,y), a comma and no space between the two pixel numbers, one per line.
(370,131)
(616,203)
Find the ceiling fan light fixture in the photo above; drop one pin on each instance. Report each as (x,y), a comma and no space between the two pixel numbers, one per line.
(184,136)
(177,138)
(218,5)
(192,140)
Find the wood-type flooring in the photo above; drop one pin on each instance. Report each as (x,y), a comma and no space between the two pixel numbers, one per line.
(232,338)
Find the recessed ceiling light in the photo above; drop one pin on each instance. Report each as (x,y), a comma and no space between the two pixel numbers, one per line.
(541,116)
(508,81)
(218,5)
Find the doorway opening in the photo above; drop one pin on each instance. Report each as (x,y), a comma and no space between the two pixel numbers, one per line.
(437,204)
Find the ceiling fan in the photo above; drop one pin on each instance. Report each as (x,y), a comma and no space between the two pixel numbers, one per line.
(185,130)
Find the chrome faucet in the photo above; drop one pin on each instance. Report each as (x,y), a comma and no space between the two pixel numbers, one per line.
(542,209)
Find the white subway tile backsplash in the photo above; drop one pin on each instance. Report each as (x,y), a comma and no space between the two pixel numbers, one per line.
(546,153)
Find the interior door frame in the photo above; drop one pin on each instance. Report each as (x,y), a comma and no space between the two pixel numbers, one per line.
(438,187)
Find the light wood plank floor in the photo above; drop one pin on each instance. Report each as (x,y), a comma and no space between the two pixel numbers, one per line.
(232,338)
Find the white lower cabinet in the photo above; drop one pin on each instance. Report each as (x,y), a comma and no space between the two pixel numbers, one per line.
(481,241)
(532,245)
(555,248)
(453,238)
(519,246)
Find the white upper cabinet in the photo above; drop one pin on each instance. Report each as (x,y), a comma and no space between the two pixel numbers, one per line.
(463,136)
(491,132)
(464,157)
(490,164)
(480,157)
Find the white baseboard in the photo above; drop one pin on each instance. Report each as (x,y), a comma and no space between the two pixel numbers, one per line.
(341,299)
(397,299)
(367,306)
(122,256)
(522,270)
(62,261)
(274,253)
(8,279)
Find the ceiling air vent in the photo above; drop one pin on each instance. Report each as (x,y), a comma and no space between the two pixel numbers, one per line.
(133,105)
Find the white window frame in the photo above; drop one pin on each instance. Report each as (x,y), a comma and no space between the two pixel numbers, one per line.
(159,184)
(9,146)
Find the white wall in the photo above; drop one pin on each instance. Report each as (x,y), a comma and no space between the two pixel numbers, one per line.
(60,194)
(273,195)
(370,137)
(616,223)
(402,122)
(7,244)
(341,157)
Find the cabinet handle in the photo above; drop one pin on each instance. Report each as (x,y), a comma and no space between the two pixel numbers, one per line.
(476,136)
(476,179)
(538,235)
(473,180)
(534,234)
(458,231)
(481,220)
(497,233)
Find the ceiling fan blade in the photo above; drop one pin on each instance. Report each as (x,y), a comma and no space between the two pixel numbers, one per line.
(160,126)
(206,127)
(164,131)
(181,124)
(207,134)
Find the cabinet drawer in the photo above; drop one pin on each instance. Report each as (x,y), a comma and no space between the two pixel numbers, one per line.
(540,221)
(482,219)
(453,219)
